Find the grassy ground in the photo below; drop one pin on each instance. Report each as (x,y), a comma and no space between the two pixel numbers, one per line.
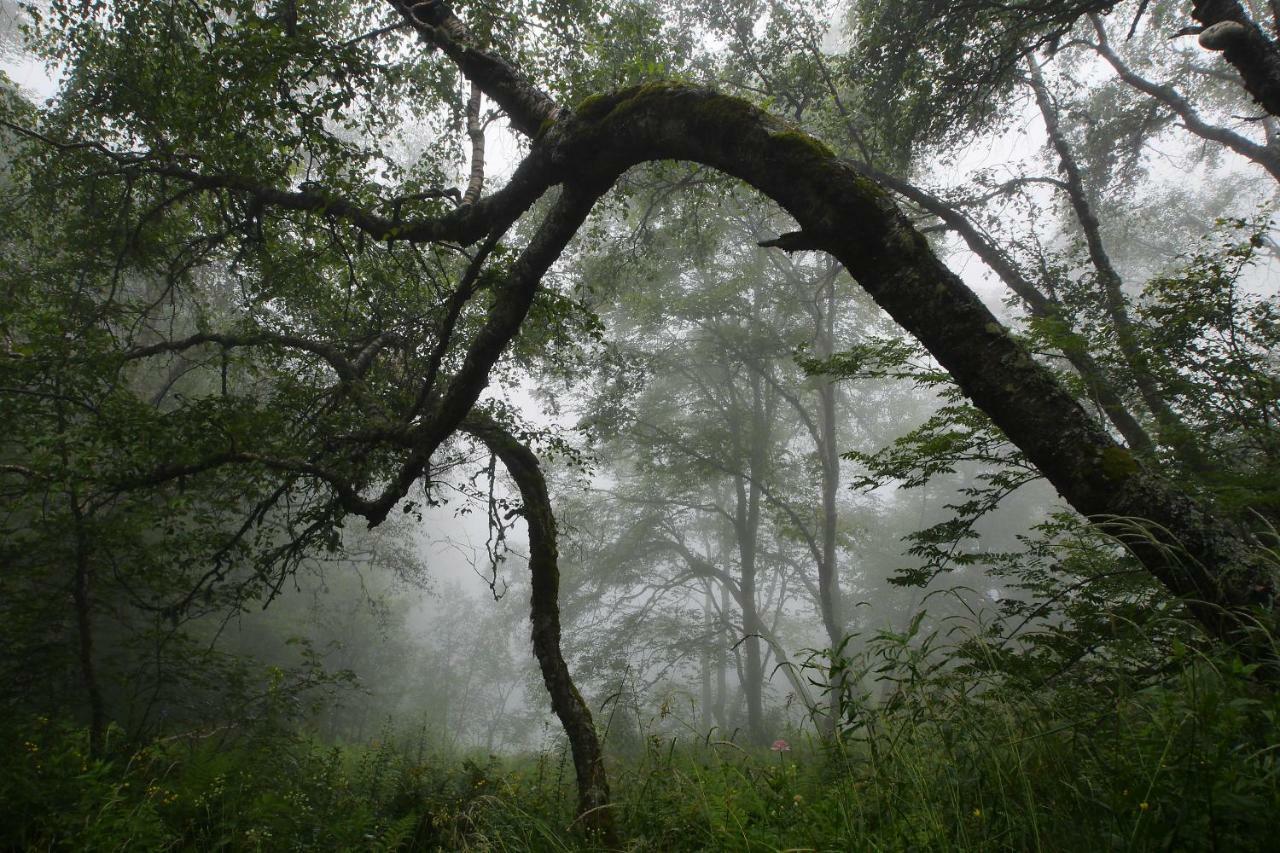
(1186,765)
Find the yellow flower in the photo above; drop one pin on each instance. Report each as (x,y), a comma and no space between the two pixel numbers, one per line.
(1144,805)
(977,813)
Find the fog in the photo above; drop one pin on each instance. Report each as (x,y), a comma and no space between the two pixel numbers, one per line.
(358,416)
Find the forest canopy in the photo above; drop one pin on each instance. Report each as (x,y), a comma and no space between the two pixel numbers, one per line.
(719,289)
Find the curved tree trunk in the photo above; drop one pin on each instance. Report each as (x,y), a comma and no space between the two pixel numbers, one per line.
(81,594)
(1194,554)
(544,612)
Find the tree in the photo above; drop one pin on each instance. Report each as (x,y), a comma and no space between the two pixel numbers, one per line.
(709,434)
(702,406)
(192,139)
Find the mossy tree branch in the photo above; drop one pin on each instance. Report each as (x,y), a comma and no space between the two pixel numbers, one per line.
(544,613)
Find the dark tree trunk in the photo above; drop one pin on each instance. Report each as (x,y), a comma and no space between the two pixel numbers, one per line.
(1195,555)
(544,609)
(83,599)
(1243,43)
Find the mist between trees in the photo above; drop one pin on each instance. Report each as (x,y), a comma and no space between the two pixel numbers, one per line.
(747,425)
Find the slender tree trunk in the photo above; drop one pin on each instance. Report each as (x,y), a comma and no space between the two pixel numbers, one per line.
(1172,431)
(82,595)
(710,635)
(593,787)
(829,451)
(829,454)
(475,132)
(748,516)
(748,522)
(722,664)
(704,568)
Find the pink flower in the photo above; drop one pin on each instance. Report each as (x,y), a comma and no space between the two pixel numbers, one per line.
(781,745)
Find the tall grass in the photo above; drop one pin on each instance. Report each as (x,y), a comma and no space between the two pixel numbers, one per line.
(1185,761)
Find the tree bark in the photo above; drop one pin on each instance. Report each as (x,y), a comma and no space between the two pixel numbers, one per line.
(544,609)
(746,524)
(722,663)
(1243,43)
(824,311)
(475,132)
(81,594)
(829,450)
(1263,155)
(710,634)
(1169,427)
(1100,386)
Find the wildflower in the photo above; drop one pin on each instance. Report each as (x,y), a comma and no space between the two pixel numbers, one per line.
(977,813)
(797,799)
(31,747)
(781,745)
(1144,805)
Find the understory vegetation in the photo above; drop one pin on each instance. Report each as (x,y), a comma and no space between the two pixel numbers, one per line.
(1183,761)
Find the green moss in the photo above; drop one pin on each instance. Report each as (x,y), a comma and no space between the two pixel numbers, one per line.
(601,106)
(546,125)
(594,107)
(731,110)
(871,191)
(723,110)
(804,142)
(1118,464)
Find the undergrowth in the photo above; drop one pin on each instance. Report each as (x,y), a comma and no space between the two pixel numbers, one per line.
(1186,762)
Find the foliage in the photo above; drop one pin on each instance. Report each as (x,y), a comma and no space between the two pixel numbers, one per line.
(1216,336)
(943,69)
(1184,759)
(217,344)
